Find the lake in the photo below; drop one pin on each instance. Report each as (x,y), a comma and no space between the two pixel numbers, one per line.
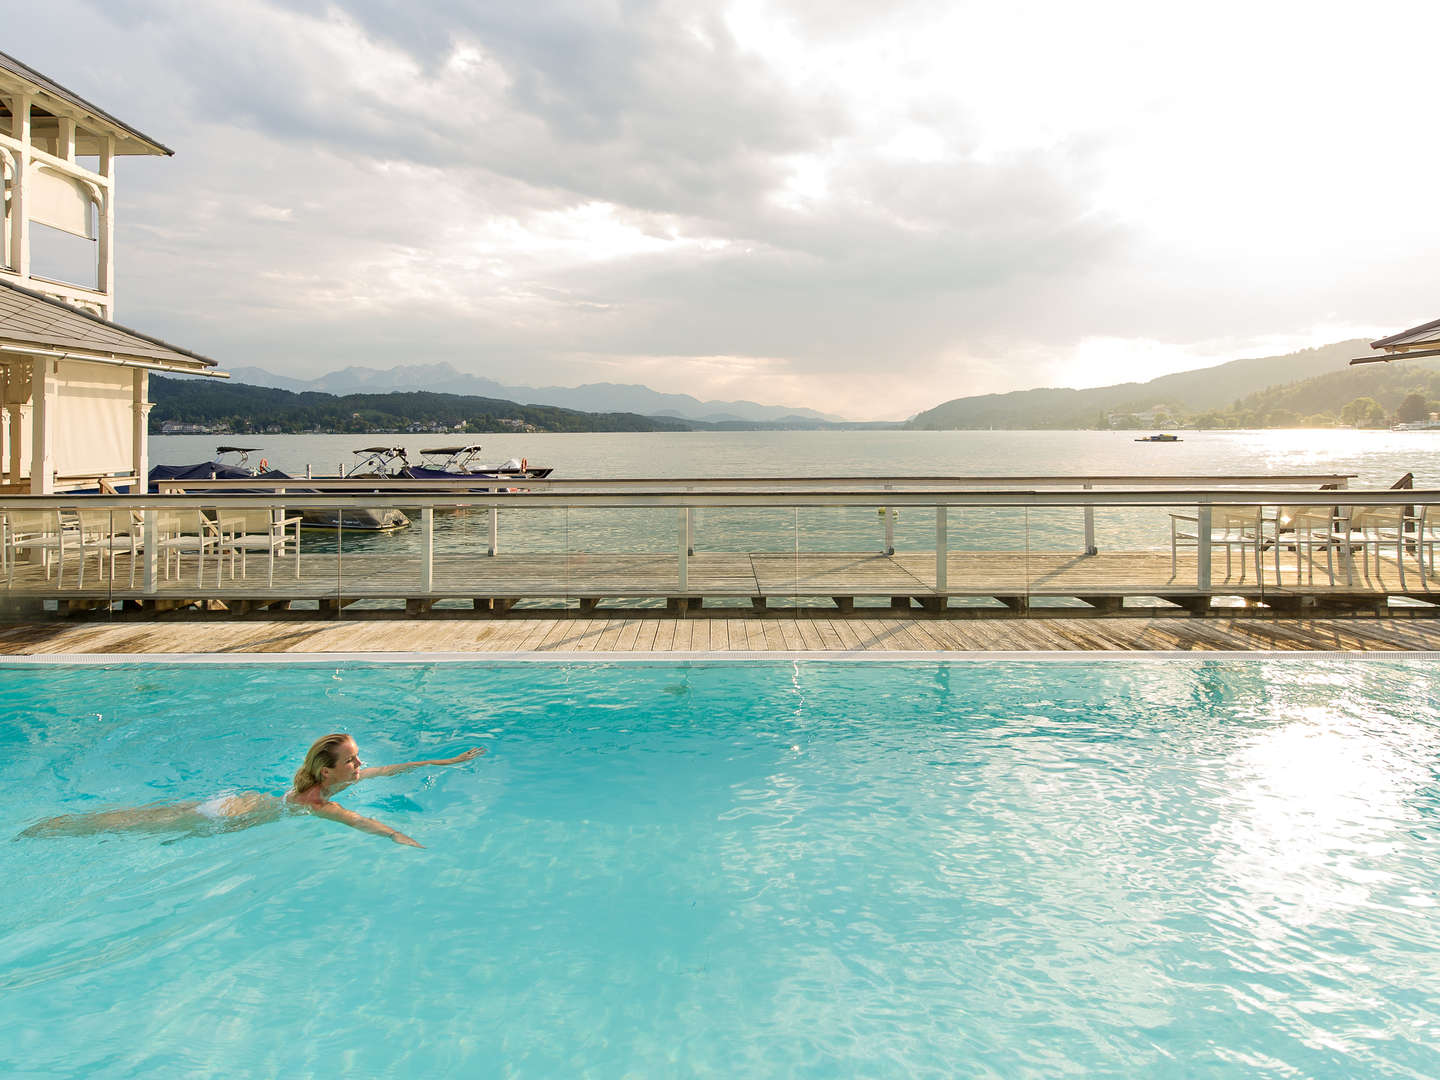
(1377,458)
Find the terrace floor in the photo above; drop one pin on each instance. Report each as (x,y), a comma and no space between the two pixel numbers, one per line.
(658,633)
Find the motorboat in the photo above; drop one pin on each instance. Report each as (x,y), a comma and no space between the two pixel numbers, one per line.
(1160,438)
(448,462)
(439,468)
(361,519)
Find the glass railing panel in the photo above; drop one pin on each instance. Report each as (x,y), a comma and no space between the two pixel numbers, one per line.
(619,557)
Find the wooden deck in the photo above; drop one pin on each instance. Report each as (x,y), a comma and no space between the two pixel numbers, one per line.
(601,635)
(1111,582)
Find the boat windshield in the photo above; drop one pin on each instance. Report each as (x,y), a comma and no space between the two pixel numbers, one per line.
(242,460)
(378,461)
(456,459)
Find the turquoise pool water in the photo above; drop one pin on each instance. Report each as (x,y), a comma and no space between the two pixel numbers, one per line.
(735,869)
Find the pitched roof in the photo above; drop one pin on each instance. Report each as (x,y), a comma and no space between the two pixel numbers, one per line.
(1428,334)
(137,143)
(31,322)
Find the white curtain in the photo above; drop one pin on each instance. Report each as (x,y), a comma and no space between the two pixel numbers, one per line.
(92,417)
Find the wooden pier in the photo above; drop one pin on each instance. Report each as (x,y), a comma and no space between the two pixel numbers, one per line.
(977,584)
(1347,563)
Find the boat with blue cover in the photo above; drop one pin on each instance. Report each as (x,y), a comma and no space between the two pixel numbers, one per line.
(360,518)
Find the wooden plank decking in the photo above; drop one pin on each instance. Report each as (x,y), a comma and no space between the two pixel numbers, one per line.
(660,634)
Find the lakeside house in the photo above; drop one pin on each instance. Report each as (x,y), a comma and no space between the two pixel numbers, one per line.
(74,383)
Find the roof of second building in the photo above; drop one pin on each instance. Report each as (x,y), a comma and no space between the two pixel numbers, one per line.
(1428,334)
(142,143)
(33,322)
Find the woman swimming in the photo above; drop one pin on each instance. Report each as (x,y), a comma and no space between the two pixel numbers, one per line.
(331,765)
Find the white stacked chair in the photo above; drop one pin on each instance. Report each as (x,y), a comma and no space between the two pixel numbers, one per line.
(268,531)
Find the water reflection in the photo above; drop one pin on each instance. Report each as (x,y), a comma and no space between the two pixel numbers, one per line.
(1313,799)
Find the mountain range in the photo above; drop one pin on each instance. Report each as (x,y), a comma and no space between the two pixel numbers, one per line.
(443,378)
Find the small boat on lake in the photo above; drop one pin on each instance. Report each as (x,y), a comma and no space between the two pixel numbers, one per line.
(1161,438)
(449,462)
(440,468)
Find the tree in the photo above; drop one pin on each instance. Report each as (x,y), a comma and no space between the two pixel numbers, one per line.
(1211,419)
(1363,412)
(1413,408)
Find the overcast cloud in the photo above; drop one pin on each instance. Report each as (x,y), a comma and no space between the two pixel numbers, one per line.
(812,203)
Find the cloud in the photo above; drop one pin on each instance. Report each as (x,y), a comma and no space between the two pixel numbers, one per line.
(868,209)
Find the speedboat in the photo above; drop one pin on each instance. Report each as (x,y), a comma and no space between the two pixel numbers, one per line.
(448,462)
(1161,438)
(439,468)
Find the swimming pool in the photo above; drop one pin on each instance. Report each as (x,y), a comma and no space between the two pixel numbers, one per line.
(720,869)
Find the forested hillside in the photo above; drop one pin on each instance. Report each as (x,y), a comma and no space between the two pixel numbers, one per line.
(1185,393)
(1372,395)
(236,407)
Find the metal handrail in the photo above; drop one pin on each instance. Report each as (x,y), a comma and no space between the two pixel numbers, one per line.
(375,496)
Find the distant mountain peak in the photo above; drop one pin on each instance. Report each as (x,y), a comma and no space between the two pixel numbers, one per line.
(443,377)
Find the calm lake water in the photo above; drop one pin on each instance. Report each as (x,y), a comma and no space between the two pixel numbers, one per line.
(1374,457)
(1378,457)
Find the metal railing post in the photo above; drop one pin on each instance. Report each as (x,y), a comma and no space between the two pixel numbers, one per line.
(427,549)
(689,533)
(1203,516)
(494,530)
(1090,548)
(684,529)
(889,529)
(150,583)
(942,549)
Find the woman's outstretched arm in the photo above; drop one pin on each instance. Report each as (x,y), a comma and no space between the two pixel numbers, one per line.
(391,770)
(336,812)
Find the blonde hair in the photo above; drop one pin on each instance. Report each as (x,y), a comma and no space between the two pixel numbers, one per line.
(324,752)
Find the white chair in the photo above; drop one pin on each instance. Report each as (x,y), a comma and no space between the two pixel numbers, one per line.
(1427,533)
(109,532)
(1302,528)
(1375,528)
(269,531)
(45,531)
(1230,527)
(184,532)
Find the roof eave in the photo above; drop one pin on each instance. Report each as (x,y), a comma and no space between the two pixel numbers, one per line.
(93,356)
(72,309)
(44,86)
(1395,340)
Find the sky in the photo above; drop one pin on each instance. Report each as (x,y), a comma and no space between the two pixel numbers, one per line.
(862,208)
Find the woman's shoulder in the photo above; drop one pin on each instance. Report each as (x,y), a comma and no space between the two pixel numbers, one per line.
(311,800)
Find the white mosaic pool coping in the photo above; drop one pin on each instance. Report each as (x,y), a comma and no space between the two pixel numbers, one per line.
(837,655)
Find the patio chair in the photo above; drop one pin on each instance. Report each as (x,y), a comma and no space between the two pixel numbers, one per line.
(109,532)
(1427,532)
(45,531)
(269,531)
(1230,527)
(183,532)
(1303,528)
(1375,528)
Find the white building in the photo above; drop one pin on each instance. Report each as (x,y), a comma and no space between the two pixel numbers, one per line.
(74,384)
